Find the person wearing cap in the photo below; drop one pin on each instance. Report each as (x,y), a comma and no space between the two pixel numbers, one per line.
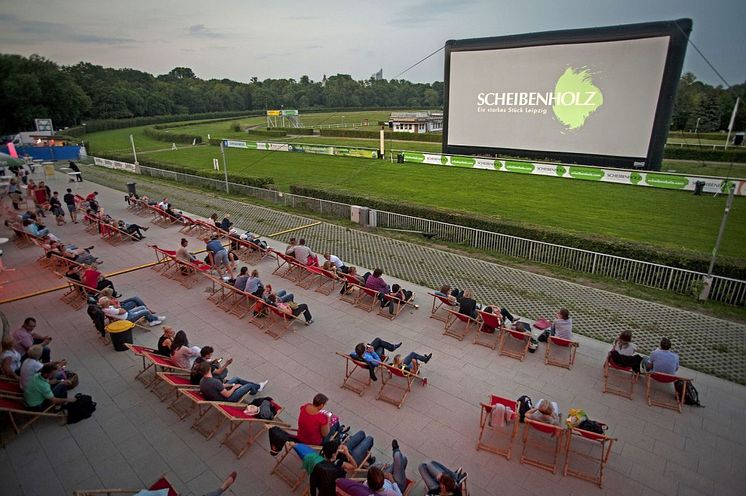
(133,315)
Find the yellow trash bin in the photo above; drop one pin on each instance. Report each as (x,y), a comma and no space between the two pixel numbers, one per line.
(120,332)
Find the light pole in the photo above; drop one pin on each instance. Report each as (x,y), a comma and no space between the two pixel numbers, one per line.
(708,278)
(696,126)
(225,166)
(134,152)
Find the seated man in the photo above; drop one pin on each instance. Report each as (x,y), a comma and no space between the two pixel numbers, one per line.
(213,389)
(218,371)
(58,382)
(379,483)
(468,305)
(183,254)
(304,255)
(133,229)
(441,480)
(404,295)
(662,359)
(137,313)
(38,393)
(315,424)
(325,472)
(337,262)
(373,354)
(24,337)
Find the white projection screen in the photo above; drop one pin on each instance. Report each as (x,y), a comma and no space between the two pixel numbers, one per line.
(599,96)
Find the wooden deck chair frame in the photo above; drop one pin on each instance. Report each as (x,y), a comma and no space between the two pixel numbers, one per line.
(233,297)
(627,376)
(245,305)
(75,296)
(162,218)
(139,351)
(158,363)
(188,225)
(188,273)
(192,399)
(454,318)
(556,343)
(253,257)
(485,425)
(367,299)
(662,378)
(353,289)
(10,388)
(280,322)
(292,478)
(398,303)
(220,289)
(287,266)
(312,277)
(351,382)
(327,281)
(388,383)
(20,237)
(514,335)
(161,483)
(483,336)
(237,420)
(14,407)
(438,305)
(168,384)
(92,224)
(601,457)
(164,259)
(534,426)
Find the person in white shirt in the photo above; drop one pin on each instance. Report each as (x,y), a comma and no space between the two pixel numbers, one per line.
(10,359)
(341,267)
(32,365)
(133,315)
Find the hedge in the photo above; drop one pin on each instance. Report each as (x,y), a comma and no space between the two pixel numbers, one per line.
(259,182)
(349,133)
(262,132)
(307,131)
(172,137)
(684,260)
(696,153)
(196,123)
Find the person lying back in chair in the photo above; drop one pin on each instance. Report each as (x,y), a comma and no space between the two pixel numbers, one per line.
(411,362)
(373,354)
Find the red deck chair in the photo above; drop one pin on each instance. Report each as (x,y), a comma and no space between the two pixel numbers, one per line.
(351,382)
(353,289)
(366,299)
(396,379)
(280,322)
(398,304)
(162,483)
(15,407)
(164,259)
(169,382)
(313,276)
(597,452)
(619,380)
(91,223)
(541,437)
(240,440)
(160,363)
(292,476)
(139,351)
(76,295)
(188,226)
(327,281)
(10,388)
(441,303)
(287,266)
(189,273)
(458,325)
(488,428)
(508,341)
(188,400)
(162,218)
(661,378)
(557,346)
(488,330)
(245,304)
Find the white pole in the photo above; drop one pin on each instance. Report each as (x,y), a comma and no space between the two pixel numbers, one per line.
(225,167)
(728,205)
(732,121)
(696,126)
(383,152)
(134,152)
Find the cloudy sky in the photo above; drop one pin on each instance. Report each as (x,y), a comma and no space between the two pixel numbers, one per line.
(239,39)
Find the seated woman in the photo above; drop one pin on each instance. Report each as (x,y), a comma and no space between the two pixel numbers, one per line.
(330,267)
(165,341)
(441,480)
(292,308)
(183,354)
(282,296)
(10,359)
(404,295)
(128,304)
(411,362)
(132,229)
(623,352)
(352,271)
(545,411)
(453,295)
(468,305)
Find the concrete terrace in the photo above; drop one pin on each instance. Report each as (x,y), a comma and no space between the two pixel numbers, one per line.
(132,438)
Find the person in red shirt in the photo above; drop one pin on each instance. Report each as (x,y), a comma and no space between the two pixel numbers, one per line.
(315,424)
(94,279)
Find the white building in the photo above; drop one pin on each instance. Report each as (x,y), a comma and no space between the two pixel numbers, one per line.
(417,122)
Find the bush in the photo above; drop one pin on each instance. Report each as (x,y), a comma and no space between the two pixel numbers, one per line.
(349,133)
(262,132)
(306,131)
(151,132)
(703,153)
(684,260)
(236,127)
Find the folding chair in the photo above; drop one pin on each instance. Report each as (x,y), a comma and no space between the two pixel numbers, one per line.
(280,322)
(188,226)
(169,383)
(293,478)
(488,330)
(388,382)
(555,346)
(245,304)
(10,388)
(160,363)
(139,351)
(366,298)
(220,289)
(486,425)
(76,295)
(541,435)
(327,281)
(512,336)
(398,305)
(441,303)
(599,449)
(662,378)
(352,289)
(187,273)
(164,259)
(237,418)
(92,224)
(351,382)
(192,399)
(286,266)
(15,407)
(313,276)
(452,322)
(162,483)
(624,376)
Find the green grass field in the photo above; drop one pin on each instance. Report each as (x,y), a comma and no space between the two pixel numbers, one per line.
(673,220)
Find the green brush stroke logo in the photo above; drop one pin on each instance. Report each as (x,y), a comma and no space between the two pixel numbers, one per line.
(576,98)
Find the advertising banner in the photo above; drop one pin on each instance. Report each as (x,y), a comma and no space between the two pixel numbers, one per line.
(355,152)
(273,113)
(115,164)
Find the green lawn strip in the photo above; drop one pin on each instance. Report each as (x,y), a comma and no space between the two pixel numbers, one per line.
(671,219)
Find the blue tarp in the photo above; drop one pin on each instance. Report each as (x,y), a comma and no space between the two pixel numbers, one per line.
(47,152)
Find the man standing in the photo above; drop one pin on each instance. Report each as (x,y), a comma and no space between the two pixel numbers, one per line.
(69,200)
(74,167)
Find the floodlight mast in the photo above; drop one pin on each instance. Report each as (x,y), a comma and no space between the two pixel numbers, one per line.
(705,294)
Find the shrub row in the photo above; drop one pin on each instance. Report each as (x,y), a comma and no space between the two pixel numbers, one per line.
(172,137)
(263,132)
(710,136)
(307,131)
(258,182)
(349,133)
(697,153)
(197,123)
(684,260)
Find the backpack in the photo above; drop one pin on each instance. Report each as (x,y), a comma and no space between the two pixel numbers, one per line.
(691,396)
(592,426)
(82,408)
(524,405)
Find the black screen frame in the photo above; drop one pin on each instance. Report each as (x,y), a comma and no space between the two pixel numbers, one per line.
(678,32)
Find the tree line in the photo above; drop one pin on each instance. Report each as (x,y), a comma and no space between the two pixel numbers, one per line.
(34,87)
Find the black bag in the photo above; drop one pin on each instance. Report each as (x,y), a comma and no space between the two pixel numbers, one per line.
(544,336)
(82,408)
(592,426)
(266,410)
(691,396)
(524,405)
